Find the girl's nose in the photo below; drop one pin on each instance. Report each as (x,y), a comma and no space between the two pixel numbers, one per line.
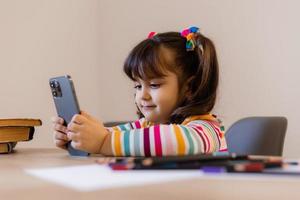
(145,94)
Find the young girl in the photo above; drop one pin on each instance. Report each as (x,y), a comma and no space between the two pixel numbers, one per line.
(175,78)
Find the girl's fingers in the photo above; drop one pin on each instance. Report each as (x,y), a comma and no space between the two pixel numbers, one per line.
(73,127)
(72,136)
(60,128)
(60,136)
(57,120)
(88,116)
(78,119)
(60,144)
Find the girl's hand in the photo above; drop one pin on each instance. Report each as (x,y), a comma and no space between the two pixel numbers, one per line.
(60,132)
(86,133)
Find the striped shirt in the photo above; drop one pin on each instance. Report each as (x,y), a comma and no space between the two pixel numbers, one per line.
(195,135)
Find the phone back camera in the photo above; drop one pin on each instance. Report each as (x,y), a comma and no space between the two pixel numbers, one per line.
(55,88)
(54,84)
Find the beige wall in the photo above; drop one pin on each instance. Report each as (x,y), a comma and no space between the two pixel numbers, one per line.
(257,42)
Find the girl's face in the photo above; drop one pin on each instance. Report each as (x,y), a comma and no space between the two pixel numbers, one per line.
(157,98)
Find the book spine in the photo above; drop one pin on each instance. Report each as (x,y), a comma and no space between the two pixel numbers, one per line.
(7,147)
(31,132)
(15,134)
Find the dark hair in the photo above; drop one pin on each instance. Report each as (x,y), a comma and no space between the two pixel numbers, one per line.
(197,70)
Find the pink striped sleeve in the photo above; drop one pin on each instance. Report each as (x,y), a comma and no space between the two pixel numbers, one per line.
(198,136)
(157,140)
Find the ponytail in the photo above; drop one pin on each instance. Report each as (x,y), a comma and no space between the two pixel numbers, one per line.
(204,82)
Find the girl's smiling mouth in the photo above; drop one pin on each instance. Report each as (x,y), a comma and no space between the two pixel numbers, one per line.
(148,107)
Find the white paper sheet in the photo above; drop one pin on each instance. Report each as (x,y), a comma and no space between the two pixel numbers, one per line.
(95,177)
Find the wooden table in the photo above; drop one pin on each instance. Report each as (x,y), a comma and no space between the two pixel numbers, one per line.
(16,184)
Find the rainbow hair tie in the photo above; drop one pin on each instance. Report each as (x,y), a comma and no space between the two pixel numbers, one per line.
(189,34)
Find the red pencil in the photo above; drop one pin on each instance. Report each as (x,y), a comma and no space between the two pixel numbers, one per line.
(249,167)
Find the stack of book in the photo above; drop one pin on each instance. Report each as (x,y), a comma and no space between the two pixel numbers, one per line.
(16,130)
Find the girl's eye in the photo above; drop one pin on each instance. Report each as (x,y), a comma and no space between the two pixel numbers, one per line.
(155,86)
(138,87)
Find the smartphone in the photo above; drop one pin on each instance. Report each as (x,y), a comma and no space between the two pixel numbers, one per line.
(65,100)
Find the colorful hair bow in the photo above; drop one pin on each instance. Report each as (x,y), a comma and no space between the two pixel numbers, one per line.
(189,34)
(151,34)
